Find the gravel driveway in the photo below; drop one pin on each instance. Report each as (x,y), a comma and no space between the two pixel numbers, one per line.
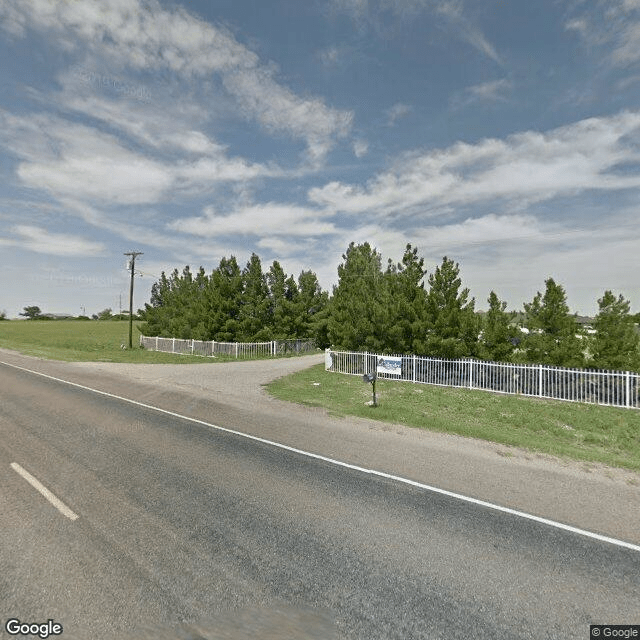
(237,380)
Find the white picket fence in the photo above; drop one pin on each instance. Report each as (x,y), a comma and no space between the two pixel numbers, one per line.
(613,388)
(213,348)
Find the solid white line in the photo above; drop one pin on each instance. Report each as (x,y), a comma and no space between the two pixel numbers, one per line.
(56,502)
(373,472)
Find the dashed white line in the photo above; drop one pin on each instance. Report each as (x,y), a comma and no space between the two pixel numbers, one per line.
(339,463)
(36,484)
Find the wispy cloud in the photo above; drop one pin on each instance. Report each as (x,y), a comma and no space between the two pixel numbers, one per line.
(144,36)
(360,148)
(492,91)
(451,12)
(397,111)
(40,240)
(523,168)
(273,219)
(614,25)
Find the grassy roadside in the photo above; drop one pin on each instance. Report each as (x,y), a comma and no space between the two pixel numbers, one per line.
(607,435)
(89,341)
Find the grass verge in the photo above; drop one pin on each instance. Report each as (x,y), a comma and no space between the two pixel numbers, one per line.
(584,432)
(78,341)
(88,341)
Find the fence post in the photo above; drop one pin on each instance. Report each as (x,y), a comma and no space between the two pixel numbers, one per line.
(365,364)
(191,346)
(273,347)
(470,374)
(413,379)
(236,350)
(627,394)
(173,345)
(540,380)
(156,343)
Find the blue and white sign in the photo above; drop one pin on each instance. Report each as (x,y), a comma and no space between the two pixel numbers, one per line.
(391,365)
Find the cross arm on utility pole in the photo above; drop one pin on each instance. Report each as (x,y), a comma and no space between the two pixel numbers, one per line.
(132,263)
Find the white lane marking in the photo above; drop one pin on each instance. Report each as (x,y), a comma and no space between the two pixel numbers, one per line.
(373,472)
(36,484)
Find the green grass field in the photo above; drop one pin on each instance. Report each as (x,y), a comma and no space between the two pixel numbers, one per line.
(74,340)
(607,435)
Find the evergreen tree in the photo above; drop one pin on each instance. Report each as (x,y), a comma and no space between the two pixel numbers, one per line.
(182,294)
(224,299)
(254,309)
(198,309)
(616,342)
(283,292)
(158,312)
(406,302)
(357,319)
(450,321)
(553,332)
(312,310)
(498,335)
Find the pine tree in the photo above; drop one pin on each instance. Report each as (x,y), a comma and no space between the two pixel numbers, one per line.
(254,310)
(498,336)
(406,302)
(451,325)
(553,332)
(224,295)
(311,310)
(616,342)
(283,292)
(357,315)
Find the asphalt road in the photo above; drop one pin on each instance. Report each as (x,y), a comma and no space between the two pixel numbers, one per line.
(184,531)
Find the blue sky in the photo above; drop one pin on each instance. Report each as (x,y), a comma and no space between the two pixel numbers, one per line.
(504,135)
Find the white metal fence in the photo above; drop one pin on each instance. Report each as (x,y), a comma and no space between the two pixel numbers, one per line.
(614,388)
(230,349)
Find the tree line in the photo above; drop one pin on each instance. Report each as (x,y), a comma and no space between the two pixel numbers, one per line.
(233,304)
(396,309)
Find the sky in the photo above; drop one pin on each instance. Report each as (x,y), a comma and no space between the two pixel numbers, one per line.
(503,135)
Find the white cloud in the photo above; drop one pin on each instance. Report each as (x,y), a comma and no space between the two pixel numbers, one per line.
(334,56)
(131,34)
(83,163)
(269,219)
(277,108)
(397,111)
(492,91)
(58,244)
(523,168)
(370,13)
(614,25)
(627,50)
(360,148)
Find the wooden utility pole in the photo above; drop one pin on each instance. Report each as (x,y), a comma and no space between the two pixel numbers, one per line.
(132,263)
